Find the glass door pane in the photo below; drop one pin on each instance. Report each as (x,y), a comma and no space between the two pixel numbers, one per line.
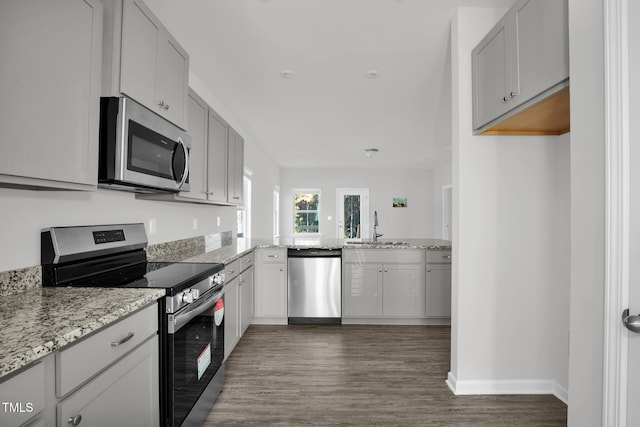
(352,213)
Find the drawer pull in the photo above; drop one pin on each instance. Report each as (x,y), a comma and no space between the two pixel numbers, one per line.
(446,256)
(272,256)
(116,344)
(74,421)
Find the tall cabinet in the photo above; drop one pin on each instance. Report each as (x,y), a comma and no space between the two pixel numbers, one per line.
(50,92)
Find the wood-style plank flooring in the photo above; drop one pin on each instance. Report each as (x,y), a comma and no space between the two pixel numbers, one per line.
(359,376)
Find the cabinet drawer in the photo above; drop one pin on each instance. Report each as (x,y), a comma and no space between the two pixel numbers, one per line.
(232,269)
(383,256)
(274,255)
(247,261)
(22,396)
(438,257)
(126,394)
(82,361)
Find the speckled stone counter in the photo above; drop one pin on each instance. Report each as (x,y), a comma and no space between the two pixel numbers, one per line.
(227,254)
(40,320)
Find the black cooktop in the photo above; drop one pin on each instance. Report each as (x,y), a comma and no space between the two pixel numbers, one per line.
(174,277)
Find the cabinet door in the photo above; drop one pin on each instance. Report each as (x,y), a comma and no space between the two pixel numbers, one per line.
(235,165)
(438,297)
(217,158)
(542,58)
(362,290)
(139,58)
(107,399)
(173,77)
(198,116)
(50,81)
(490,75)
(232,314)
(246,299)
(403,290)
(272,301)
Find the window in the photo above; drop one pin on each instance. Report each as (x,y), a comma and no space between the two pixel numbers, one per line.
(307,212)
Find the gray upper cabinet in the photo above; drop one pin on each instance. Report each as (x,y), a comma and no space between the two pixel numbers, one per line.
(522,66)
(217,157)
(50,84)
(143,61)
(235,167)
(491,76)
(198,113)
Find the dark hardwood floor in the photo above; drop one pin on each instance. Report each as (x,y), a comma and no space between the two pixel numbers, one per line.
(359,376)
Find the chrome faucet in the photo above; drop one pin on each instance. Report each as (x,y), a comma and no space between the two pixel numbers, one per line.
(375,227)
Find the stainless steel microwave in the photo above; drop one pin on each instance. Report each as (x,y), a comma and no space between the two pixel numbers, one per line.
(139,150)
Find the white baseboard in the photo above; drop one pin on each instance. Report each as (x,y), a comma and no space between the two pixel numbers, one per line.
(467,387)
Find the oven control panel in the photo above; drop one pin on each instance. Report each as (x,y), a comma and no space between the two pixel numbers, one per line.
(108,236)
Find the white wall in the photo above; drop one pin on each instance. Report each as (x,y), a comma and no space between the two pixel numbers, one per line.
(586,19)
(24,213)
(415,221)
(510,236)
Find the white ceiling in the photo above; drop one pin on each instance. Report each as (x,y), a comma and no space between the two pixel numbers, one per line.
(329,111)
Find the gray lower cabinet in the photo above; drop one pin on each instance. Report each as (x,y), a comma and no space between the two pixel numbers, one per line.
(271,285)
(438,279)
(239,304)
(124,394)
(50,85)
(381,283)
(110,377)
(231,316)
(23,397)
(246,297)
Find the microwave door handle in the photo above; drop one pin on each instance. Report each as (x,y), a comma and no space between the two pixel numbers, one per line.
(185,174)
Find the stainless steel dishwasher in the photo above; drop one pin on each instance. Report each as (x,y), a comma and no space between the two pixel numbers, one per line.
(315,286)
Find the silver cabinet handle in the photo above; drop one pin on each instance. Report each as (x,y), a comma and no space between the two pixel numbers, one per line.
(248,260)
(446,256)
(505,98)
(74,421)
(631,322)
(161,104)
(231,271)
(272,256)
(166,106)
(117,343)
(281,269)
(512,94)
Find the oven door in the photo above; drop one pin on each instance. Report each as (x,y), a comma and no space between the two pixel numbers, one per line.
(196,351)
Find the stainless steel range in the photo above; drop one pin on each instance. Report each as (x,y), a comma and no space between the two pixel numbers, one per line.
(191,316)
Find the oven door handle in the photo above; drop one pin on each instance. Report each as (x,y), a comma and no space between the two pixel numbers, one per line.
(177,321)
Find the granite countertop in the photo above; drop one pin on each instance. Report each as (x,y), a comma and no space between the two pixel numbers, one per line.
(229,253)
(41,320)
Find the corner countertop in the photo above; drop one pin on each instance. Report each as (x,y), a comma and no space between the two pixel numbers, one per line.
(41,320)
(229,253)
